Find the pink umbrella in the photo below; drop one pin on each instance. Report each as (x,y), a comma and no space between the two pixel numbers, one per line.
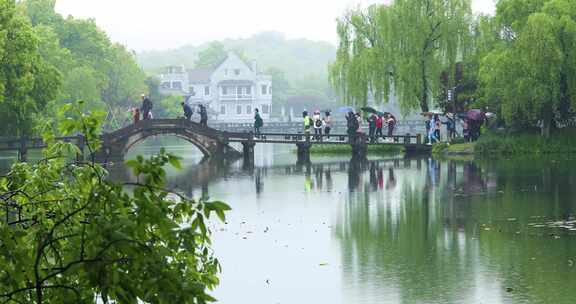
(476,115)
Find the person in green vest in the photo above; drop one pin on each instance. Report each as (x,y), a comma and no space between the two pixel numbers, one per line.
(307,122)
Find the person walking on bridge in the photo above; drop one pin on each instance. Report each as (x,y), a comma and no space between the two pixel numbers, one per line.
(307,123)
(327,124)
(203,116)
(372,125)
(146,107)
(187,111)
(318,125)
(391,121)
(258,122)
(351,125)
(379,126)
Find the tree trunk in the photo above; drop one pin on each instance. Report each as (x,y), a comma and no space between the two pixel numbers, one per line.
(424,100)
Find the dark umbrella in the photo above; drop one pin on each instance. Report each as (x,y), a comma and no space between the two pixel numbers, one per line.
(369,110)
(476,115)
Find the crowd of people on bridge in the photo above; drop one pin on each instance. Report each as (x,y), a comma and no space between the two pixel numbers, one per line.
(321,122)
(376,123)
(472,122)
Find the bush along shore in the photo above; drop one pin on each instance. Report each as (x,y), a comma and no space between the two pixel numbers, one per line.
(494,145)
(347,149)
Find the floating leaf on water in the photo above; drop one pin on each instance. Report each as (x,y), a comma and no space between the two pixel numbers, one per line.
(323,264)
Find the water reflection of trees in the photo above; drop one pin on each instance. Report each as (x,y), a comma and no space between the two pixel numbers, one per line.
(465,220)
(385,244)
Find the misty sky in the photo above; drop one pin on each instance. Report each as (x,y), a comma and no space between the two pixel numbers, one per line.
(163,24)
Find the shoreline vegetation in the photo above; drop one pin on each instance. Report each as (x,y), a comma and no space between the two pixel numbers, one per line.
(496,145)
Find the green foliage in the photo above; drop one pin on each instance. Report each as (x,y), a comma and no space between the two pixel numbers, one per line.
(211,56)
(94,69)
(171,107)
(27,82)
(491,145)
(454,148)
(532,74)
(401,47)
(69,235)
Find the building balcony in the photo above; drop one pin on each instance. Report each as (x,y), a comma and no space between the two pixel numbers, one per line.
(241,97)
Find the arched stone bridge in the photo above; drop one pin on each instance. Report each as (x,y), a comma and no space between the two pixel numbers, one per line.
(214,143)
(209,141)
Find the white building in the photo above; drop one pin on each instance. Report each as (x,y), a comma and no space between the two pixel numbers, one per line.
(232,90)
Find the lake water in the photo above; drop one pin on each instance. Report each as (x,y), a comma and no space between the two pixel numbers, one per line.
(391,230)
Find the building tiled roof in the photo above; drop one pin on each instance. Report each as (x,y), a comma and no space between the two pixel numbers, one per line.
(200,75)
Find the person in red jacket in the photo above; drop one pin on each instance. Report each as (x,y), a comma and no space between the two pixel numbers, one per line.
(379,126)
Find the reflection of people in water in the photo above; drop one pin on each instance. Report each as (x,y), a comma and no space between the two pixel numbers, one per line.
(329,181)
(451,174)
(373,177)
(473,182)
(258,182)
(380,178)
(308,182)
(319,175)
(431,172)
(391,184)
(354,176)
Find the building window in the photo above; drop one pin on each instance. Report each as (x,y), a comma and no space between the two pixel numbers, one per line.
(224,90)
(206,90)
(239,91)
(264,89)
(248,109)
(237,72)
(265,109)
(192,91)
(248,90)
(223,110)
(239,110)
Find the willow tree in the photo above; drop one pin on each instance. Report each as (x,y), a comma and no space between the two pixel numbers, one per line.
(534,73)
(400,48)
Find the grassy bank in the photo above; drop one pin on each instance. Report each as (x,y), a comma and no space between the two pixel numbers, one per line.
(453,149)
(347,149)
(561,142)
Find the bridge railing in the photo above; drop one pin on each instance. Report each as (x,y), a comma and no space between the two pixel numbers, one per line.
(288,138)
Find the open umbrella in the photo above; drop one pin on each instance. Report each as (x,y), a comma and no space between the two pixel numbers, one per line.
(476,115)
(369,110)
(345,109)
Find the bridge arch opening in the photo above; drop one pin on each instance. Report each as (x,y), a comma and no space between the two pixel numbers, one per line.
(179,145)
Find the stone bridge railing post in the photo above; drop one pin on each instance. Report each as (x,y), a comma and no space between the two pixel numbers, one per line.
(248,149)
(303,152)
(359,146)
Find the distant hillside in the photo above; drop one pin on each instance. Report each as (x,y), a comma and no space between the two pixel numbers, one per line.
(300,59)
